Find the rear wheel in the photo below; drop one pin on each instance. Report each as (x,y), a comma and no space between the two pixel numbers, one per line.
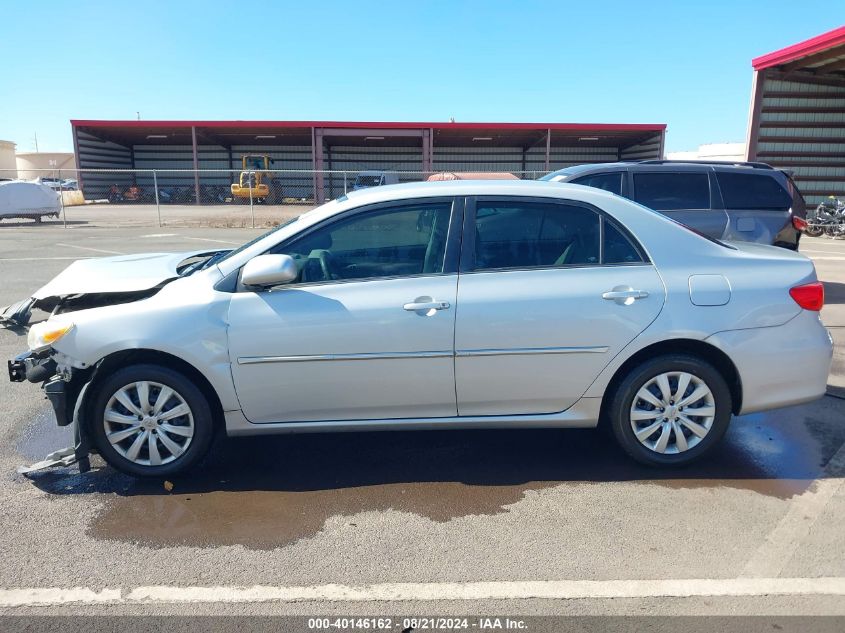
(670,410)
(151,421)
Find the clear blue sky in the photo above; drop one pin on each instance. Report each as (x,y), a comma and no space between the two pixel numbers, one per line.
(683,63)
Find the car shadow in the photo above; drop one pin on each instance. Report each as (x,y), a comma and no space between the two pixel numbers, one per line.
(264,492)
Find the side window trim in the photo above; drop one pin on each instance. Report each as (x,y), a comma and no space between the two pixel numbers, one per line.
(467,260)
(453,236)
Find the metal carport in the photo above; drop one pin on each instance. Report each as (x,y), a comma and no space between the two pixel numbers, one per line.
(797,118)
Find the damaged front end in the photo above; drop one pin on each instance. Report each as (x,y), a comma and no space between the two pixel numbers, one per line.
(64,383)
(84,285)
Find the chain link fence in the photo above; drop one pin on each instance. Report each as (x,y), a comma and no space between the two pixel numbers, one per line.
(255,197)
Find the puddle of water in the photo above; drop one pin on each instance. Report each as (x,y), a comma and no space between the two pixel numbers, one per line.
(269,519)
(269,492)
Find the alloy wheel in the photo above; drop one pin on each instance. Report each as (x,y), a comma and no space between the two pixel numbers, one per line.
(148,423)
(672,412)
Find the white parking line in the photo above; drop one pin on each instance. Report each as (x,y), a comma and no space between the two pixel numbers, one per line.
(38,259)
(400,592)
(207,239)
(785,539)
(88,248)
(160,235)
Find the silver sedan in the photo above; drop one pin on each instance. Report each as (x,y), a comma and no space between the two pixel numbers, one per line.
(430,306)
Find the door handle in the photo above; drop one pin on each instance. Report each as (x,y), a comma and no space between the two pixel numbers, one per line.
(426,306)
(624,295)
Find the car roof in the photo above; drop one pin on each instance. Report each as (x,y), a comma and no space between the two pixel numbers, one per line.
(666,165)
(446,188)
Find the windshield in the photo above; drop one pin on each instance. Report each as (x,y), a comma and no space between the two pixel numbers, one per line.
(243,247)
(255,162)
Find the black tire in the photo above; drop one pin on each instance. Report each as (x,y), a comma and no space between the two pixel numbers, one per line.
(199,409)
(622,400)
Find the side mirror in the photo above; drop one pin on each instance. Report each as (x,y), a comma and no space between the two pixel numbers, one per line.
(269,270)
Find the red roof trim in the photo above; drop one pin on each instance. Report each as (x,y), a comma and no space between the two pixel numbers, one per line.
(802,49)
(366,125)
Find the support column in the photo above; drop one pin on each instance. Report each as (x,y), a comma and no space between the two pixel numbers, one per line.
(317,154)
(548,149)
(427,162)
(196,163)
(754,115)
(78,159)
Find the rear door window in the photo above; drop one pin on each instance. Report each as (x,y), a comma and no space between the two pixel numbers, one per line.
(753,191)
(535,235)
(664,191)
(608,182)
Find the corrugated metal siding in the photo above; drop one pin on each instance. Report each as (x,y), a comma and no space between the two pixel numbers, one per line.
(95,153)
(649,149)
(802,129)
(406,161)
(528,164)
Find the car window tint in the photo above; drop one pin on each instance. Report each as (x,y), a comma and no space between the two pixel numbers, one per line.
(618,249)
(666,190)
(753,191)
(526,235)
(608,182)
(410,240)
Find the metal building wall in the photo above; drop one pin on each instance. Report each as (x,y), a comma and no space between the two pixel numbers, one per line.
(649,149)
(95,153)
(800,127)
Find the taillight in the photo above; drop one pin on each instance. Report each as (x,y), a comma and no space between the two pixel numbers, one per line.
(809,296)
(800,224)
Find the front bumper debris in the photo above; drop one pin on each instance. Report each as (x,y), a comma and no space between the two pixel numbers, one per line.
(29,366)
(64,388)
(18,314)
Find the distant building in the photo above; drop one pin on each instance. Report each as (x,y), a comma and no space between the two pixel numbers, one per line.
(32,165)
(712,151)
(315,158)
(8,169)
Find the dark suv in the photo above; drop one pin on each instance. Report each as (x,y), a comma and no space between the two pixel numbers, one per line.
(752,202)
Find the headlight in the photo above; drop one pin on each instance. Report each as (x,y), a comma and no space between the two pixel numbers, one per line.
(43,335)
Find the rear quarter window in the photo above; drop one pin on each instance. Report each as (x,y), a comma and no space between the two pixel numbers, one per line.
(753,191)
(609,182)
(664,191)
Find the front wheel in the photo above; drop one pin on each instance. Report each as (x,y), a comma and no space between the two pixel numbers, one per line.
(671,410)
(151,421)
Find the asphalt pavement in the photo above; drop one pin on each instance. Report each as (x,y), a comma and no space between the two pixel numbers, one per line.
(536,521)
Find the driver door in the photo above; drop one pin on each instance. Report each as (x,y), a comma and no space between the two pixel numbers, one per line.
(367,329)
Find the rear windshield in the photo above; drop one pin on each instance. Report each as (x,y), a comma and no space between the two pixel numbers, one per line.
(753,191)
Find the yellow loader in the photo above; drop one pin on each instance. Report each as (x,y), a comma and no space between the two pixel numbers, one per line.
(256,181)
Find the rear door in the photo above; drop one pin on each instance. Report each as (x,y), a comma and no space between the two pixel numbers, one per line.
(687,196)
(550,291)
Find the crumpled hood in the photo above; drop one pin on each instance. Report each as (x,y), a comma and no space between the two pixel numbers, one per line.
(122,273)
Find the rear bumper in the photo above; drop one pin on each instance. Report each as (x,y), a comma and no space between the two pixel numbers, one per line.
(780,366)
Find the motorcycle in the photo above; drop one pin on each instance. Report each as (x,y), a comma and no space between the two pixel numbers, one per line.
(827,219)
